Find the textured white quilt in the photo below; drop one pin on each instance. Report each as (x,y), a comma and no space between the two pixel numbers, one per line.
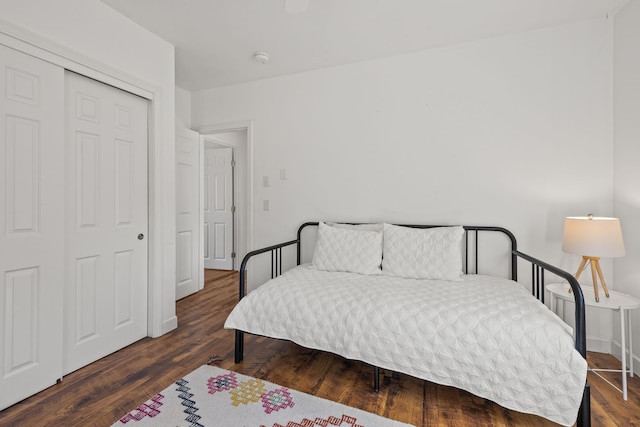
(483,334)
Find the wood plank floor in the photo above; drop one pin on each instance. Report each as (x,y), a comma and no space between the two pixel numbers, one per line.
(101,393)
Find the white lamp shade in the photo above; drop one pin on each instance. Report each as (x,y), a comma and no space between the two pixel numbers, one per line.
(593,236)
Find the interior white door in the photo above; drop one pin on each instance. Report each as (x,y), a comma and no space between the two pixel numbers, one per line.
(188,269)
(218,208)
(31,218)
(106,220)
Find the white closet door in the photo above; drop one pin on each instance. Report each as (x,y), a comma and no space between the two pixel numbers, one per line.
(187,213)
(31,224)
(106,220)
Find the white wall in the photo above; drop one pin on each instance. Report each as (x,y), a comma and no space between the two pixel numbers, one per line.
(108,41)
(626,115)
(183,108)
(513,131)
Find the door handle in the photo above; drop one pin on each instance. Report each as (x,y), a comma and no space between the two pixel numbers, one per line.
(140,236)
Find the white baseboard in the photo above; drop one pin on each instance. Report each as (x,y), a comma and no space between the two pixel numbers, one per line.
(598,345)
(169,324)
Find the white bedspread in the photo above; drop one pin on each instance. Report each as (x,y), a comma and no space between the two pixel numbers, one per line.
(486,335)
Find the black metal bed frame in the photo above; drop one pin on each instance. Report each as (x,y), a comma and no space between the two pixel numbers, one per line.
(538,269)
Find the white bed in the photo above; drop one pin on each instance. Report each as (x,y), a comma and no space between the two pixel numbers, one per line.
(483,334)
(486,335)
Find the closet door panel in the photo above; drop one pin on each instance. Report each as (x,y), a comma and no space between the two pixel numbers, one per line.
(106,221)
(31,224)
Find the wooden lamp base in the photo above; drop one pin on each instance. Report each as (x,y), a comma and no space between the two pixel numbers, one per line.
(595,269)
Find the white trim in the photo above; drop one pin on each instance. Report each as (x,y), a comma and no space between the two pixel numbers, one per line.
(35,45)
(216,143)
(201,211)
(238,126)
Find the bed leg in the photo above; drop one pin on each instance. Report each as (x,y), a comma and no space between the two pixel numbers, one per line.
(376,379)
(239,351)
(584,413)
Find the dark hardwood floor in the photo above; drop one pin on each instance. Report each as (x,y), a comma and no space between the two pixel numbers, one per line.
(103,392)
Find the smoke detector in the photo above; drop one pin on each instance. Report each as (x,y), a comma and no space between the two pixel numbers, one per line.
(261,57)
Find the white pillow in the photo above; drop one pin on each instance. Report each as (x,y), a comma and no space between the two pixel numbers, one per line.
(358,227)
(353,251)
(430,253)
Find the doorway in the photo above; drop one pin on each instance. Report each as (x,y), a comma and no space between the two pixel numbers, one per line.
(190,189)
(218,145)
(237,135)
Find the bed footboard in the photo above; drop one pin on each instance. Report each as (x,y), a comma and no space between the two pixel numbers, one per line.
(276,270)
(538,269)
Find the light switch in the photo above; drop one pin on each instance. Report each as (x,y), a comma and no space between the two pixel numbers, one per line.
(265,181)
(265,205)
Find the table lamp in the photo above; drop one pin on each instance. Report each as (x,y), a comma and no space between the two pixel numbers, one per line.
(593,238)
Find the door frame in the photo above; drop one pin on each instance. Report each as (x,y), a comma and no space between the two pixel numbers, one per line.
(244,220)
(161,202)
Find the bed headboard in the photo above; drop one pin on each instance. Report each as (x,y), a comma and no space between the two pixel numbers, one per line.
(471,247)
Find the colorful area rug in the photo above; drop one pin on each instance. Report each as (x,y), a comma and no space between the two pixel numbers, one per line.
(213,397)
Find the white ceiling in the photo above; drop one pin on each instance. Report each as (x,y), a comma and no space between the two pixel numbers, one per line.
(215,40)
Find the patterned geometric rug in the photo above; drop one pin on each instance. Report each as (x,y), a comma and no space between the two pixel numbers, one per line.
(213,397)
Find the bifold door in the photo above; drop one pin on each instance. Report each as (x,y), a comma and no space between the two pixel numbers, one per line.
(106,220)
(31,224)
(73,222)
